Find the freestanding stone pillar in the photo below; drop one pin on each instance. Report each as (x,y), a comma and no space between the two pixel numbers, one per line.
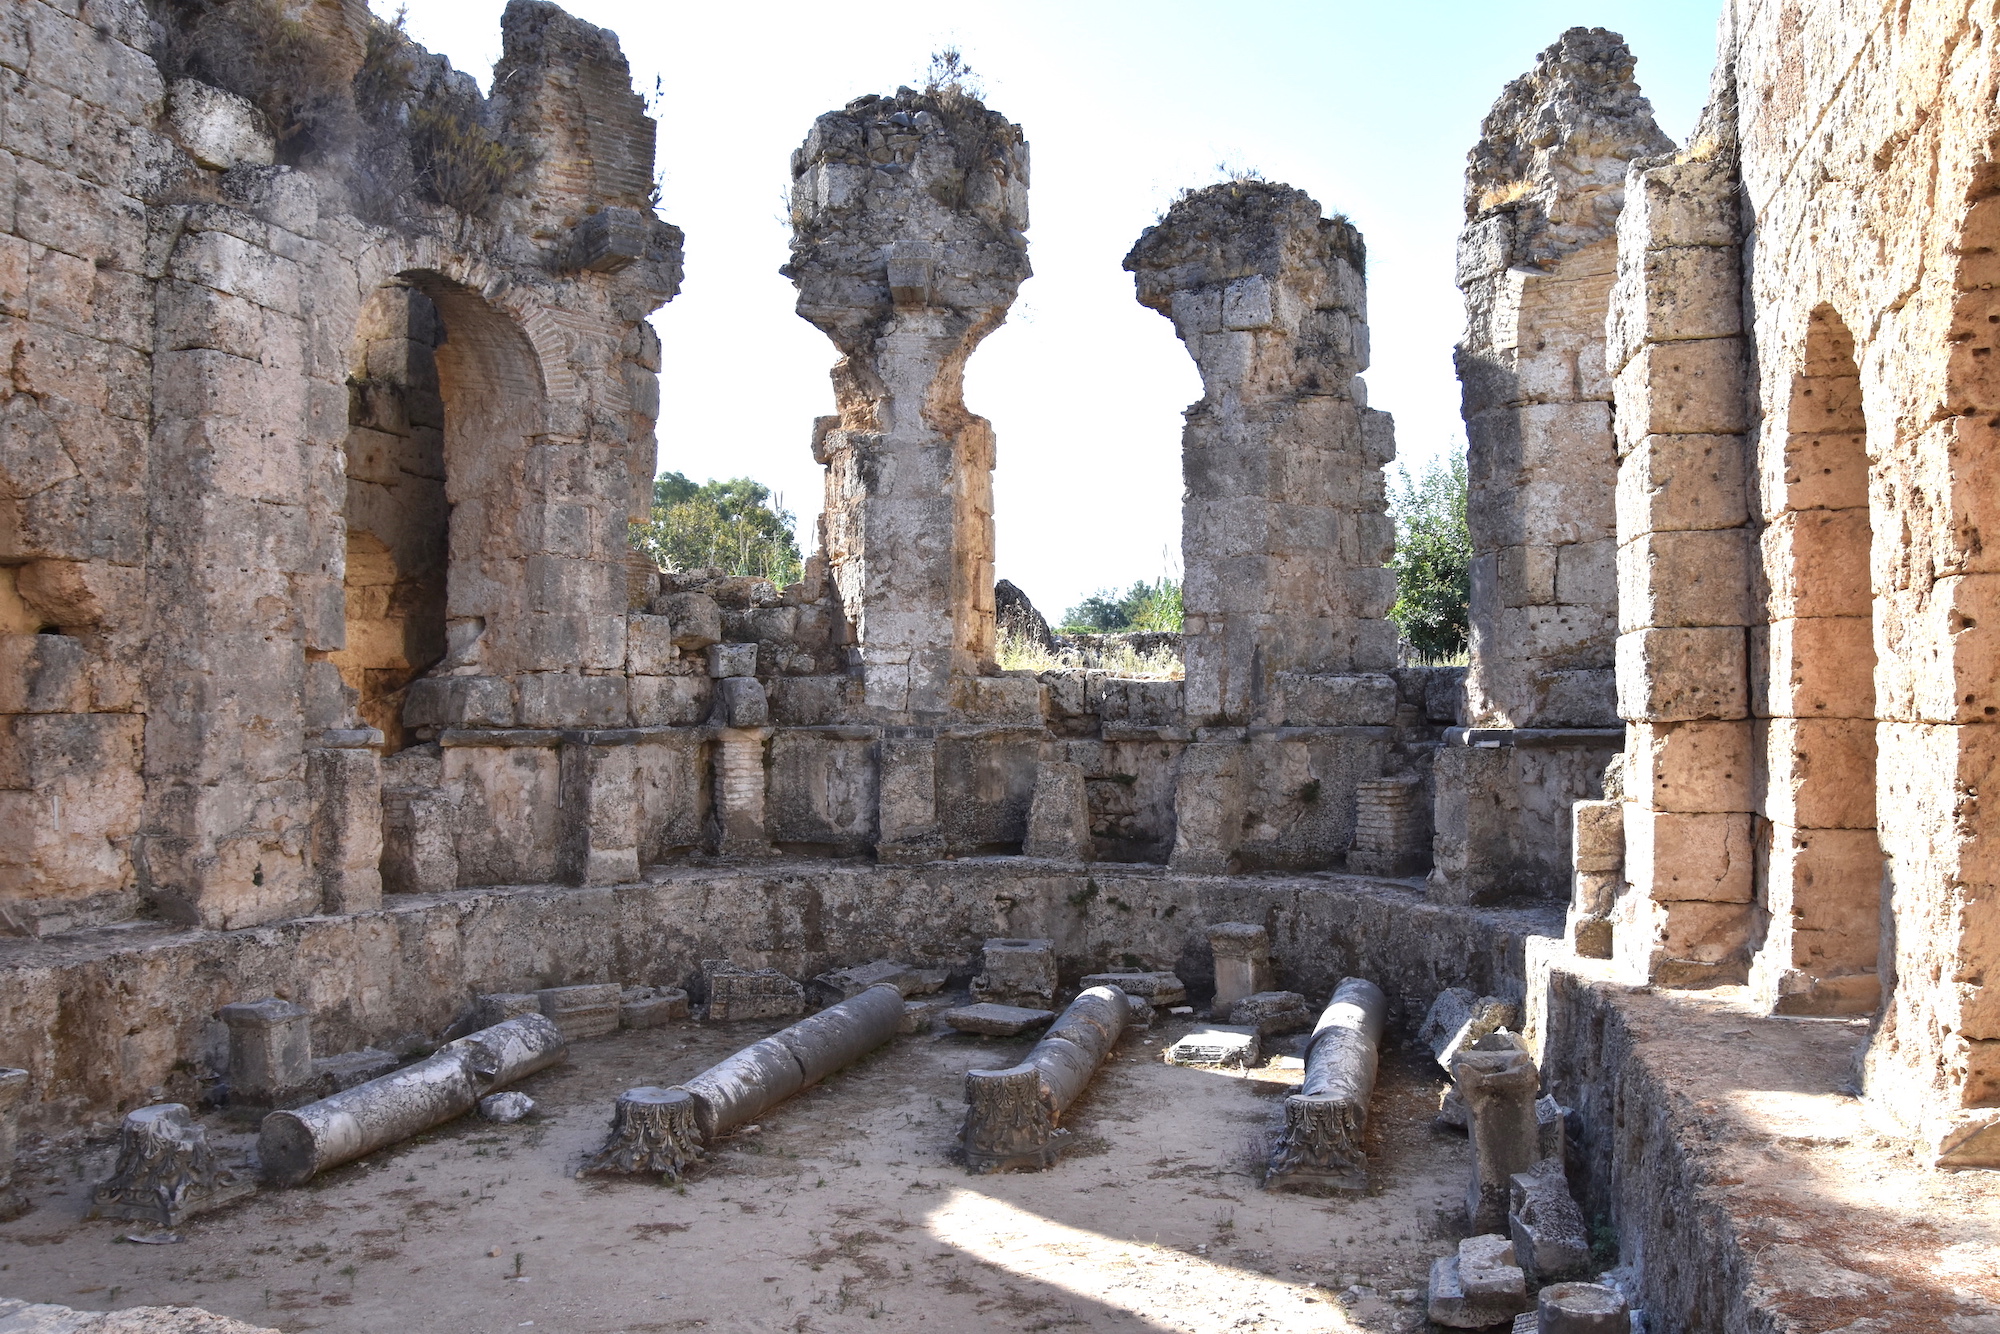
(1536,261)
(270,1052)
(1284,529)
(1498,1088)
(907,214)
(13,1088)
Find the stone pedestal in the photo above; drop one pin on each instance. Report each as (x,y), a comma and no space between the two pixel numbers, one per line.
(270,1053)
(1242,962)
(1018,972)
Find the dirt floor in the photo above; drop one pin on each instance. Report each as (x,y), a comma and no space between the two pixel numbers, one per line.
(841,1212)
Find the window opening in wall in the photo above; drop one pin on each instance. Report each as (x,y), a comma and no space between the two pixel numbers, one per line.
(397,513)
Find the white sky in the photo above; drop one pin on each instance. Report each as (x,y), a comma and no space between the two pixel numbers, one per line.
(1369,107)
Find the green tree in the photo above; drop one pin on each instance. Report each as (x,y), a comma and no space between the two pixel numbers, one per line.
(1433,561)
(736,526)
(1144,607)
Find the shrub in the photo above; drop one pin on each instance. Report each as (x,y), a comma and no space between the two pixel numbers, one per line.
(1433,561)
(1154,606)
(736,526)
(253,49)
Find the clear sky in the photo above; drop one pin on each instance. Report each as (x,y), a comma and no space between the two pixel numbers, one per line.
(1370,108)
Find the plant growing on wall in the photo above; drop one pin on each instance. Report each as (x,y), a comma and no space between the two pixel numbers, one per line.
(736,526)
(1433,561)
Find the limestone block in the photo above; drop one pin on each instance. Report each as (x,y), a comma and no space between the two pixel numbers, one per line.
(1688,388)
(1815,667)
(43,673)
(1679,292)
(740,701)
(219,130)
(1682,203)
(1681,483)
(649,1007)
(344,787)
(560,699)
(732,660)
(1598,840)
(907,814)
(1546,1226)
(695,618)
(669,701)
(1059,819)
(1690,767)
(335,1074)
(1242,961)
(498,1007)
(1525,575)
(1683,675)
(1684,579)
(608,240)
(1017,971)
(1817,470)
(1593,893)
(649,645)
(270,1052)
(1272,1012)
(1365,699)
(459,701)
(1961,682)
(1479,1287)
(1818,773)
(587,1011)
(1679,856)
(1587,573)
(1827,883)
(419,849)
(1816,564)
(1484,248)
(1681,943)
(743,993)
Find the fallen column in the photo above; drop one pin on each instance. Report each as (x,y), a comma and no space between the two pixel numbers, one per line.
(662,1130)
(299,1144)
(1012,1116)
(1324,1121)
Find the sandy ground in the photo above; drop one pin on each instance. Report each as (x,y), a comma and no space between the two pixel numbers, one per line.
(842,1212)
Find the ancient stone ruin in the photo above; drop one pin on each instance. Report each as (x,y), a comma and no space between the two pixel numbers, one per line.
(358,768)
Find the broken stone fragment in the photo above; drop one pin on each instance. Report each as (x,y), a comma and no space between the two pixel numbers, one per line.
(1158,989)
(332,1074)
(1478,1287)
(743,993)
(649,1007)
(505,1108)
(726,661)
(1272,1012)
(695,619)
(741,702)
(1017,970)
(996,1021)
(916,1017)
(845,982)
(1457,1019)
(218,129)
(497,1007)
(588,1011)
(1544,1222)
(1242,962)
(1013,1116)
(166,1172)
(1216,1044)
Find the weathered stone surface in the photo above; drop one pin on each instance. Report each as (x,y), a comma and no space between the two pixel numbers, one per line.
(13,1088)
(506,1108)
(166,1172)
(18,1317)
(1157,989)
(1272,1013)
(1499,1091)
(1457,1019)
(1478,1287)
(1017,970)
(907,214)
(1242,961)
(649,1007)
(745,993)
(587,1011)
(997,1021)
(1544,1222)
(270,1052)
(1216,1044)
(1581,1308)
(1321,1143)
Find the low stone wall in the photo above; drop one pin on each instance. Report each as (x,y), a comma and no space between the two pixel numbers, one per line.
(106,1020)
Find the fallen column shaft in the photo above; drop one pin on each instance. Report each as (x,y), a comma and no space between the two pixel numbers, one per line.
(297,1145)
(1012,1115)
(1324,1121)
(662,1130)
